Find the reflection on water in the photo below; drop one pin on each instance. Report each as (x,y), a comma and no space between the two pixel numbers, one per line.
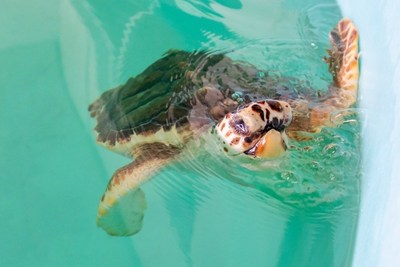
(207,209)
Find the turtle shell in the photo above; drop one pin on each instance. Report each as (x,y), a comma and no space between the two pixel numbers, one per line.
(162,96)
(159,97)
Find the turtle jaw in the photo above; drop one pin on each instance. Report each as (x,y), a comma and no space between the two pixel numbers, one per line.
(272,144)
(257,129)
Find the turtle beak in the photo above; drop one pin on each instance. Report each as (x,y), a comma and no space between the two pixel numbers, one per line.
(272,144)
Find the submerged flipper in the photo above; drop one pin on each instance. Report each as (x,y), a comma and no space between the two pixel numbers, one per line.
(123,204)
(343,64)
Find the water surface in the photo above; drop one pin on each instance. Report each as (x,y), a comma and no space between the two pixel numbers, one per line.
(206,210)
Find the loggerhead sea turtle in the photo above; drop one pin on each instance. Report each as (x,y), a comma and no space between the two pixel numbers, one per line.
(154,115)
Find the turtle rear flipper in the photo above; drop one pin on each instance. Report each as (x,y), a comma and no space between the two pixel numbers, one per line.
(125,216)
(123,204)
(344,66)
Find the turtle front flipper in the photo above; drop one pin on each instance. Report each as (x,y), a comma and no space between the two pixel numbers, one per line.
(343,62)
(344,66)
(123,204)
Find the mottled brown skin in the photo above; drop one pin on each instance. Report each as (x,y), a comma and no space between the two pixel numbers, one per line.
(243,129)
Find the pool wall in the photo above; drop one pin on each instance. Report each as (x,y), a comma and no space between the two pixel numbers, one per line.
(378,236)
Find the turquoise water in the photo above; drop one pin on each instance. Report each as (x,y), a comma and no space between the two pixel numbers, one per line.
(204,211)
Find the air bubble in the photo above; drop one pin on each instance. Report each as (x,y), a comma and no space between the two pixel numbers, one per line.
(308,148)
(314,45)
(331,149)
(314,165)
(289,176)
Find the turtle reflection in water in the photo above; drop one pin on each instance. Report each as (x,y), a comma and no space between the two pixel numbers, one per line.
(154,115)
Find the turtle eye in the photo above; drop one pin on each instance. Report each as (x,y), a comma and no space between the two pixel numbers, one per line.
(240,127)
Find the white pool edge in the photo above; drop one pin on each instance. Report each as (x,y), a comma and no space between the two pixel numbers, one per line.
(378,234)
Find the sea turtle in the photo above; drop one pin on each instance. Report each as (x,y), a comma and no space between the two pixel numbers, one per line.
(154,115)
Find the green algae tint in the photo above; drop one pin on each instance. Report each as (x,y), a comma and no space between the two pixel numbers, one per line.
(207,209)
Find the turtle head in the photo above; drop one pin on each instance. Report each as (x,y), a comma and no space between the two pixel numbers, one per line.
(257,128)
